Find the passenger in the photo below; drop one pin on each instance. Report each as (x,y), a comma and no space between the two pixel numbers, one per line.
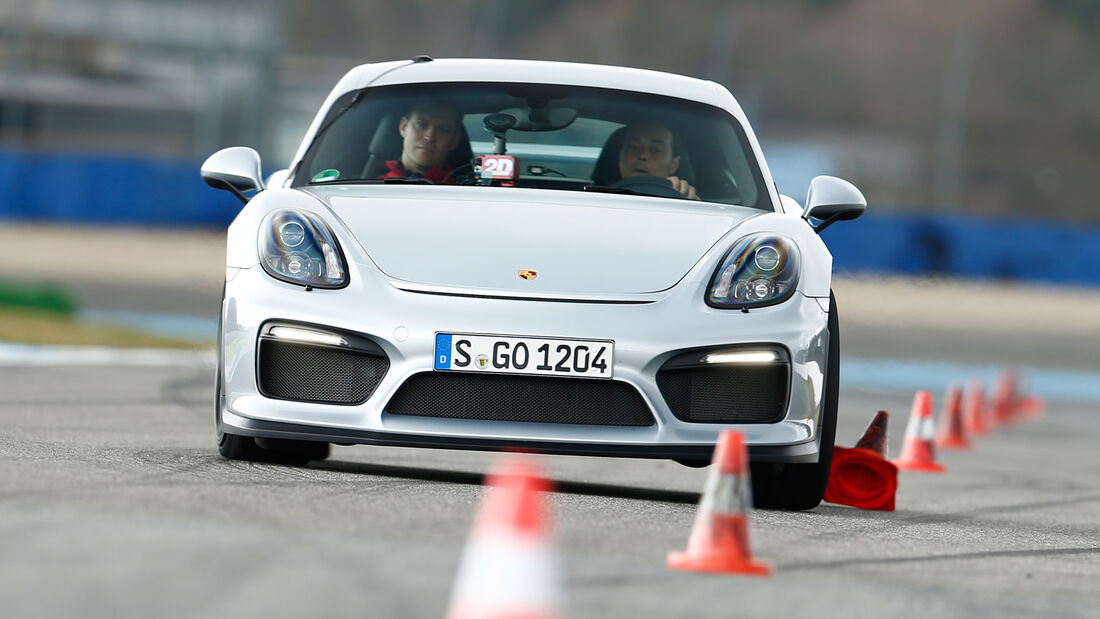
(429,132)
(649,149)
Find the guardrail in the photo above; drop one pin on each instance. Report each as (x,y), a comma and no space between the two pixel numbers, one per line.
(142,191)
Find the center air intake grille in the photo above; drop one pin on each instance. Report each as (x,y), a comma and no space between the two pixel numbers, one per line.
(539,399)
(726,394)
(294,371)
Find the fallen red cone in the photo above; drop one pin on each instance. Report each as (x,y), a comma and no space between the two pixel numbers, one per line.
(952,431)
(917,452)
(861,476)
(719,540)
(509,569)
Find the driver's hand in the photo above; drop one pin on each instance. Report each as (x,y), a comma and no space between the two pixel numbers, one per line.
(683,187)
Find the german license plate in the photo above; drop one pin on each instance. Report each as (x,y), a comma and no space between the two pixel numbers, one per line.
(506,354)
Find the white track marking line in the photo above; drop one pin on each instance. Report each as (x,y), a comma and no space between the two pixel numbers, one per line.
(26,354)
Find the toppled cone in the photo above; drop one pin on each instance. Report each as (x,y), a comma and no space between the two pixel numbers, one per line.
(917,452)
(719,540)
(861,476)
(509,568)
(952,431)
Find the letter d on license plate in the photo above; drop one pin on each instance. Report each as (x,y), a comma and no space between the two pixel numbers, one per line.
(507,354)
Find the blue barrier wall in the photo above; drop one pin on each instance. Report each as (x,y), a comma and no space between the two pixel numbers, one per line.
(943,244)
(109,190)
(121,190)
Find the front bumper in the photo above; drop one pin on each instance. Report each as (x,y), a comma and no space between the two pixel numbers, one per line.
(403,324)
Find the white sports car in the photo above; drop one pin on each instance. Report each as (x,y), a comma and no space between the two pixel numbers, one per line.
(562,258)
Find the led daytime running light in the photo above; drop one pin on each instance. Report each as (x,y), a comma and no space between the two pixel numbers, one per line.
(307,336)
(748,356)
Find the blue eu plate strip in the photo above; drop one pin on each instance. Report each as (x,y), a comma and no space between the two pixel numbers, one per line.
(442,351)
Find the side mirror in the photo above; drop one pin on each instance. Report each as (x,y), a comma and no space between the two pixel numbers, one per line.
(235,169)
(832,199)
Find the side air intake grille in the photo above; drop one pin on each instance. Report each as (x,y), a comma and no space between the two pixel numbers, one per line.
(311,373)
(736,393)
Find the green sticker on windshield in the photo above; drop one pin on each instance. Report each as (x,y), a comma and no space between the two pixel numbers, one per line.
(326,175)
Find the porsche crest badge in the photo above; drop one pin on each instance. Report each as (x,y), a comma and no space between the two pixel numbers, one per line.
(528,274)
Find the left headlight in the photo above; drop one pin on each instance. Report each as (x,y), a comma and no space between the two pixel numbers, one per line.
(759,270)
(298,247)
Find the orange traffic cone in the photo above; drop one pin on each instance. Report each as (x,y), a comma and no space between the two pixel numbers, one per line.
(951,433)
(917,452)
(861,476)
(1005,398)
(974,410)
(508,568)
(719,540)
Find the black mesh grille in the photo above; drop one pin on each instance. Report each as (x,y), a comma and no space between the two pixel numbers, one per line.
(295,371)
(540,399)
(726,394)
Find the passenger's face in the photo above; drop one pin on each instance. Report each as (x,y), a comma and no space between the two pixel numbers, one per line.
(428,136)
(647,150)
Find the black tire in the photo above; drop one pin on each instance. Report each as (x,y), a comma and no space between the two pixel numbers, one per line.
(273,451)
(236,447)
(802,486)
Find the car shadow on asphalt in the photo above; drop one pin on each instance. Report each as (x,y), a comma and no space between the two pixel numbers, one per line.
(476,479)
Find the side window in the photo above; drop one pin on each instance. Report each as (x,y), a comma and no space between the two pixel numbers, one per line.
(345,147)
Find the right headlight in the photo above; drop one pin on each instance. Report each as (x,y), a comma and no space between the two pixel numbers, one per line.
(760,269)
(298,247)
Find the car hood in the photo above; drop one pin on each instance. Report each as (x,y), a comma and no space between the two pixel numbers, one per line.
(484,239)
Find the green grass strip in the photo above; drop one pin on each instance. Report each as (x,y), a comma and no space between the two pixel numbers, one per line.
(45,297)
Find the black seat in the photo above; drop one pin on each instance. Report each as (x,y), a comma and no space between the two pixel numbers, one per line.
(386,146)
(606,170)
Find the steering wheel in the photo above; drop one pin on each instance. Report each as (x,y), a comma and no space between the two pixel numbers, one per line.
(648,184)
(462,174)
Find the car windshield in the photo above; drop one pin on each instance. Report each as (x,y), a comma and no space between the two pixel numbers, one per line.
(552,137)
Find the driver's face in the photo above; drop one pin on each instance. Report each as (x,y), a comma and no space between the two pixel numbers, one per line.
(647,150)
(428,136)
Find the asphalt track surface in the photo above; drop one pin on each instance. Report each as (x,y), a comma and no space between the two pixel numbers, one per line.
(115,503)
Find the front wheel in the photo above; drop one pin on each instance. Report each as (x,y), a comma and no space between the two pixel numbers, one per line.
(237,447)
(275,451)
(802,486)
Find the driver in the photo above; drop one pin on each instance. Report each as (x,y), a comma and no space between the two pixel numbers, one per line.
(648,150)
(429,132)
